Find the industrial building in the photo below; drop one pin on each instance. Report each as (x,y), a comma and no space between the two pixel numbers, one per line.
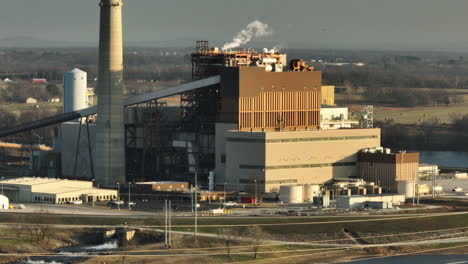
(383,201)
(334,117)
(426,171)
(280,158)
(163,186)
(250,117)
(395,172)
(54,191)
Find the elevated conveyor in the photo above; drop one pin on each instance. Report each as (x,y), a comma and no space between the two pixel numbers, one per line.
(137,99)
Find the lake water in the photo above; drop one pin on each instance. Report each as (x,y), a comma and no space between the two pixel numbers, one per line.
(426,259)
(74,254)
(444,158)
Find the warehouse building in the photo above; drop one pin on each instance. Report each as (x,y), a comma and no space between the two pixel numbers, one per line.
(54,191)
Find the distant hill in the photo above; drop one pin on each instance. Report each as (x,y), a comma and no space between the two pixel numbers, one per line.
(30,42)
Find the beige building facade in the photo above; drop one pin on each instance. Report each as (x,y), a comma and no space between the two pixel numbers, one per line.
(267,160)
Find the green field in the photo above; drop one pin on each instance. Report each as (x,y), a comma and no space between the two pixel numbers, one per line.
(18,108)
(418,114)
(273,225)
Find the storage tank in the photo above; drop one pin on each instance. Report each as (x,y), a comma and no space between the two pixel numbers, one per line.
(291,194)
(75,88)
(4,202)
(309,191)
(406,188)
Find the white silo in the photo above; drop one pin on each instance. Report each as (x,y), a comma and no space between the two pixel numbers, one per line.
(75,86)
(291,194)
(406,188)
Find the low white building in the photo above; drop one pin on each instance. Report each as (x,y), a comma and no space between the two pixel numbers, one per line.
(360,201)
(457,175)
(31,100)
(54,191)
(427,170)
(4,202)
(335,117)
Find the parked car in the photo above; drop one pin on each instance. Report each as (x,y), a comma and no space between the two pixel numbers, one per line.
(120,202)
(230,203)
(457,189)
(77,202)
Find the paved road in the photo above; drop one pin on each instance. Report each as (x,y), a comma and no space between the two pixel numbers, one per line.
(85,210)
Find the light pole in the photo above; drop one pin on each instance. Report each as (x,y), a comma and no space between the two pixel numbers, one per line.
(129,186)
(196,209)
(38,138)
(255,182)
(118,195)
(225,183)
(2,184)
(94,195)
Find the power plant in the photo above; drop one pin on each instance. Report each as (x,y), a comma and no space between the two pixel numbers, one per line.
(248,121)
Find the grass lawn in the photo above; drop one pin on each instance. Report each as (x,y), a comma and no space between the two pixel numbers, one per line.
(417,114)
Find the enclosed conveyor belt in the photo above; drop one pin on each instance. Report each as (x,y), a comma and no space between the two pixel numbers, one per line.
(137,99)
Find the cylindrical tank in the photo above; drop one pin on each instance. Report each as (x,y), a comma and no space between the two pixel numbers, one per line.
(268,68)
(75,88)
(309,191)
(4,202)
(211,180)
(406,188)
(291,194)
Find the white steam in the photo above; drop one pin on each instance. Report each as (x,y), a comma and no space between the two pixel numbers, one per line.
(254,29)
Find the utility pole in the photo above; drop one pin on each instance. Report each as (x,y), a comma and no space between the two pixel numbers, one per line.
(129,187)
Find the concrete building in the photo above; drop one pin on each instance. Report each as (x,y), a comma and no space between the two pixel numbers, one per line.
(427,170)
(386,169)
(363,201)
(334,117)
(4,202)
(164,186)
(280,158)
(54,191)
(457,175)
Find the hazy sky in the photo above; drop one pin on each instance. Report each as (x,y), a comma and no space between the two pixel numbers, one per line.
(380,24)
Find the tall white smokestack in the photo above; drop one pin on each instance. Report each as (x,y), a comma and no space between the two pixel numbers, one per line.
(110,144)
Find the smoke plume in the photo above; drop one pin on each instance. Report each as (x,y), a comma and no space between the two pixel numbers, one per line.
(254,29)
